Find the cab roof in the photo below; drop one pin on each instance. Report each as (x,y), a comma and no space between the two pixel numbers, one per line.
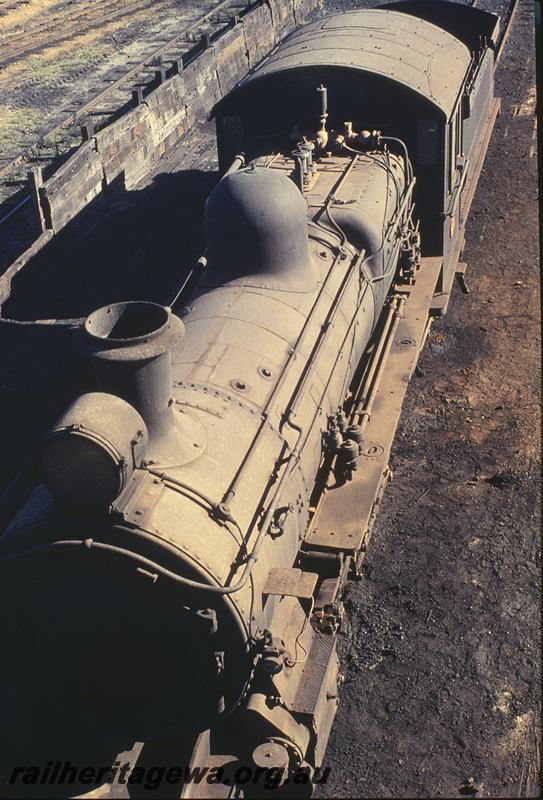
(397,46)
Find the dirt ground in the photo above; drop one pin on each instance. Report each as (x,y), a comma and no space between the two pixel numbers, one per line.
(441,647)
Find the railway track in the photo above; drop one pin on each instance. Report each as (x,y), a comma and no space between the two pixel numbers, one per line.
(166,58)
(62,25)
(142,77)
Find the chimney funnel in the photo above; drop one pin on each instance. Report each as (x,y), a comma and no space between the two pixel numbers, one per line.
(130,345)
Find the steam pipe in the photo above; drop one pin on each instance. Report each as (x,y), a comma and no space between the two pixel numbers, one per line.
(237,163)
(364,406)
(408,167)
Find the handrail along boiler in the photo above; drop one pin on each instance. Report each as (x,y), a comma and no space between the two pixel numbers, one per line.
(160,568)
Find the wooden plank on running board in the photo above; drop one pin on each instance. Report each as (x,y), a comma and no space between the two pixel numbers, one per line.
(290,582)
(342,517)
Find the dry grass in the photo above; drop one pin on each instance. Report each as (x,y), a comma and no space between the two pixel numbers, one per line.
(36,90)
(16,18)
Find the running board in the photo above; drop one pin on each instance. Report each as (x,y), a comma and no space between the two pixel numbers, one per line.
(344,516)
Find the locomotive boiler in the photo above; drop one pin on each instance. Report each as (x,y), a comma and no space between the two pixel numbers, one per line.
(159,569)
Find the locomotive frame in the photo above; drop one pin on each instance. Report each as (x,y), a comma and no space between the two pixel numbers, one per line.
(447,141)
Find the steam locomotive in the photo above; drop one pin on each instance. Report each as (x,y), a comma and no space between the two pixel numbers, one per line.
(159,567)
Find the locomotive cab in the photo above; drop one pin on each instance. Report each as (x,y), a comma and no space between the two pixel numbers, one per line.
(419,71)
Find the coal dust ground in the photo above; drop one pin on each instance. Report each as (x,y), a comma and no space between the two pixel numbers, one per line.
(441,645)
